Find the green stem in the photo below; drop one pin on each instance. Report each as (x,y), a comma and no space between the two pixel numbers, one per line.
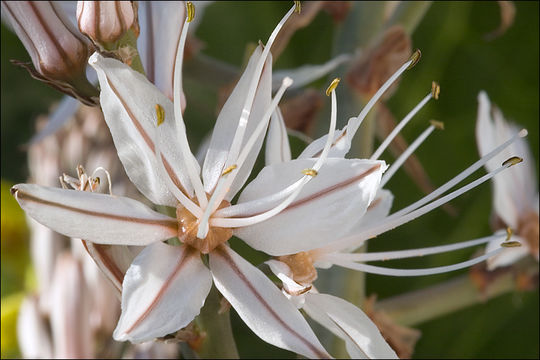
(219,341)
(409,14)
(442,299)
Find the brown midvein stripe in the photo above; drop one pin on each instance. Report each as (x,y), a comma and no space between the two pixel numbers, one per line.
(99,254)
(187,254)
(349,336)
(147,138)
(325,191)
(222,251)
(171,224)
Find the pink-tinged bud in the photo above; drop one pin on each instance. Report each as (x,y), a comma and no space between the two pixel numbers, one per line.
(59,52)
(105,22)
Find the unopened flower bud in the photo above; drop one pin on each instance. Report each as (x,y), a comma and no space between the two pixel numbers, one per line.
(105,22)
(59,52)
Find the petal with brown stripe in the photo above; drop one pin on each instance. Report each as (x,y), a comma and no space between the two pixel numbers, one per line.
(128,101)
(163,290)
(100,218)
(261,305)
(327,207)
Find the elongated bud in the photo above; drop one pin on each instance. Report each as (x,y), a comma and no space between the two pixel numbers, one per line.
(105,22)
(59,52)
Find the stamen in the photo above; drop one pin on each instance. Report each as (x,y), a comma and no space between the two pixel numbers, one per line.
(512,161)
(297,186)
(439,125)
(463,175)
(402,254)
(409,64)
(223,185)
(297,7)
(189,161)
(333,85)
(400,126)
(405,155)
(435,90)
(160,114)
(108,177)
(190,11)
(310,172)
(395,220)
(415,58)
(416,272)
(234,150)
(228,170)
(508,242)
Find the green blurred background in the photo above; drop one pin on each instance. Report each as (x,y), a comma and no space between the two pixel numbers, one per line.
(454,52)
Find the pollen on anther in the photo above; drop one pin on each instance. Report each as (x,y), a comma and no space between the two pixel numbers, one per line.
(514,160)
(415,58)
(190,11)
(435,90)
(160,114)
(297,7)
(333,85)
(509,244)
(228,170)
(437,124)
(310,172)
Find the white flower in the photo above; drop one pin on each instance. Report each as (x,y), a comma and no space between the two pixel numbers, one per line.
(289,207)
(515,194)
(298,271)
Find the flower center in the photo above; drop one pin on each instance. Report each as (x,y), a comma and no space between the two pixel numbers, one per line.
(188,225)
(528,229)
(301,265)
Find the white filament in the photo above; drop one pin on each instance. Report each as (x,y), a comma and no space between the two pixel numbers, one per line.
(222,186)
(402,254)
(298,185)
(416,272)
(193,172)
(405,155)
(400,126)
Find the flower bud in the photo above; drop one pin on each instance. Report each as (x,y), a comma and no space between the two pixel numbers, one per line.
(105,22)
(59,52)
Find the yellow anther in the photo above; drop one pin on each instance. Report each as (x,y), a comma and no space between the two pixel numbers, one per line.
(435,90)
(512,243)
(310,172)
(298,7)
(160,114)
(190,11)
(228,170)
(333,85)
(415,58)
(509,233)
(512,161)
(437,124)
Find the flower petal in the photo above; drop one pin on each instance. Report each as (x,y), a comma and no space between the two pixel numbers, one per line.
(277,142)
(227,123)
(340,146)
(377,210)
(163,290)
(514,191)
(129,102)
(112,260)
(99,218)
(326,208)
(161,24)
(261,305)
(349,323)
(507,257)
(32,331)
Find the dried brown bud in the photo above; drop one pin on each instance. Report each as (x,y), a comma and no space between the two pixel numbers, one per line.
(338,10)
(380,61)
(299,112)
